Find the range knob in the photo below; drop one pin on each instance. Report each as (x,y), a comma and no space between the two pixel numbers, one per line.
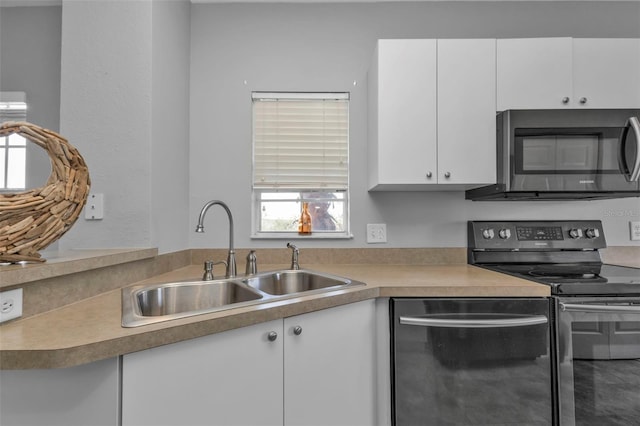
(488,234)
(592,233)
(505,234)
(575,233)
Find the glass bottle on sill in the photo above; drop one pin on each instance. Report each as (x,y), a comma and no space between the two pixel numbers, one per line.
(304,224)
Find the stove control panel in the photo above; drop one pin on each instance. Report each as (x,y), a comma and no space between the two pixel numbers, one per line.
(535,235)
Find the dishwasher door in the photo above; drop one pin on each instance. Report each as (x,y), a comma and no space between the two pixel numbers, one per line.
(471,362)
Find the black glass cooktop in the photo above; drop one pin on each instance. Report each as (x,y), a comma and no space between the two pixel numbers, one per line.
(578,279)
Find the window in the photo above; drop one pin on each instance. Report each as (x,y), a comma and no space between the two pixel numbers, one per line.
(300,154)
(13,148)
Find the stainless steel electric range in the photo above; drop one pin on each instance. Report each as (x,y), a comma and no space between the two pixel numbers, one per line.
(595,312)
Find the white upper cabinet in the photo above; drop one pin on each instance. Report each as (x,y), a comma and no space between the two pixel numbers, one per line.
(467,112)
(432,114)
(402,112)
(534,73)
(606,73)
(550,73)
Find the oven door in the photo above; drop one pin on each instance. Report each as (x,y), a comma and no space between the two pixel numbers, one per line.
(598,344)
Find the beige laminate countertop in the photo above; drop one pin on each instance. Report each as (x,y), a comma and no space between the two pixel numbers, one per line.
(90,330)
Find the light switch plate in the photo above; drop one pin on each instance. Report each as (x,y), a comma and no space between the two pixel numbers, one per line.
(94,209)
(634,229)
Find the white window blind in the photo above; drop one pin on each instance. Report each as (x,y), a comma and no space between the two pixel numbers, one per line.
(301,140)
(13,106)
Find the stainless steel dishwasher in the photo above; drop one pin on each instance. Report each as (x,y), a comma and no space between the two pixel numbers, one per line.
(471,362)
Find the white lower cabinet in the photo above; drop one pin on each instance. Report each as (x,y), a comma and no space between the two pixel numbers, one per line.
(319,370)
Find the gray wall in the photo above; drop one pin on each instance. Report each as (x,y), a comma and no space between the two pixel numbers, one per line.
(159,151)
(316,47)
(30,62)
(124,104)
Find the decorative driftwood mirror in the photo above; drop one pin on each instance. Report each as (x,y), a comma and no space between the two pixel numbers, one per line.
(33,219)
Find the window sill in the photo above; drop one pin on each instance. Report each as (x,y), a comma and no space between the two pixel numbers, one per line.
(295,236)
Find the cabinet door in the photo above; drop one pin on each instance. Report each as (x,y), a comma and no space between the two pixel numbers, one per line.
(406,112)
(330,367)
(78,396)
(467,111)
(534,73)
(606,73)
(231,378)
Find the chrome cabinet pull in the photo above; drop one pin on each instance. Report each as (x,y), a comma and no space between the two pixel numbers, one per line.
(583,100)
(565,100)
(474,323)
(272,336)
(604,309)
(297,330)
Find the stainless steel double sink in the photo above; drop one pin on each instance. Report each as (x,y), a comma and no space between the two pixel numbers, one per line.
(149,304)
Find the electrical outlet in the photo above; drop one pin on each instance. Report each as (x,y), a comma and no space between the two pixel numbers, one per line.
(10,304)
(376,233)
(634,229)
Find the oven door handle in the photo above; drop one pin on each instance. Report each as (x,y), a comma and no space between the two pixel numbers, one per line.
(604,309)
(474,323)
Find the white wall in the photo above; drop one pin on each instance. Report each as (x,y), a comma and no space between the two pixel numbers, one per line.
(315,47)
(170,125)
(30,62)
(124,104)
(158,152)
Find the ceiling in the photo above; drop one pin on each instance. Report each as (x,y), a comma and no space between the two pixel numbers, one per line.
(15,3)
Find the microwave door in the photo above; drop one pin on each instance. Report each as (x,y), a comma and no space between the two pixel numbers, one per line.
(629,155)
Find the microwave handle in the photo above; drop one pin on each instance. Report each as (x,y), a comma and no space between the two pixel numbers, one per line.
(470,323)
(632,125)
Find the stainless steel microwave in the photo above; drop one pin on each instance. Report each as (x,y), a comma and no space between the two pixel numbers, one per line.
(565,155)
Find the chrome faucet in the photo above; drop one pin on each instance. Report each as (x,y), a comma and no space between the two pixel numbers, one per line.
(294,256)
(231,257)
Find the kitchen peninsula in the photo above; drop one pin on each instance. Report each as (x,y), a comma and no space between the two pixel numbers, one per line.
(89,329)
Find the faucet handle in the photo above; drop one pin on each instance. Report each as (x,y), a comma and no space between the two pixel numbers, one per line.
(252,263)
(208,269)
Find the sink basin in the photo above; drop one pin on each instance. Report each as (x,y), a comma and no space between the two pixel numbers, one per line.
(287,282)
(140,305)
(150,304)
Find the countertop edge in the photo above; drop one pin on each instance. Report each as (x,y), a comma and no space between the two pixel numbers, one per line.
(177,331)
(70,262)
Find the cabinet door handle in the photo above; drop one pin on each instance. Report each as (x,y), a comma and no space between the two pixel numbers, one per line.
(583,100)
(429,174)
(297,330)
(565,100)
(272,336)
(474,323)
(447,175)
